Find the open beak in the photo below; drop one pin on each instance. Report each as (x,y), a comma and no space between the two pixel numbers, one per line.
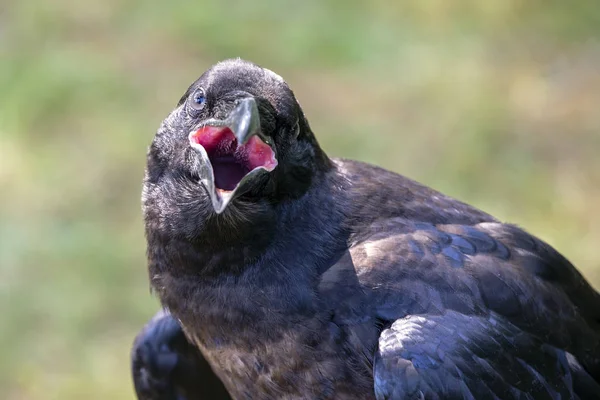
(233,153)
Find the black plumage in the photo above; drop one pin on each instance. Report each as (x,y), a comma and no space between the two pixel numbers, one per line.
(166,365)
(328,278)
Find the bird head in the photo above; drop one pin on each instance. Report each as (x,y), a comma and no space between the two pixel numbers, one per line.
(237,137)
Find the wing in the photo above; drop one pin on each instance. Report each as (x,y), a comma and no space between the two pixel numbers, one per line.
(165,366)
(457,356)
(494,276)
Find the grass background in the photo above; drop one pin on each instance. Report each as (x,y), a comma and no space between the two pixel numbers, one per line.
(493,102)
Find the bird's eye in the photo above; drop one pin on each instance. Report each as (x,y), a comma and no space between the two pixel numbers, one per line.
(198,99)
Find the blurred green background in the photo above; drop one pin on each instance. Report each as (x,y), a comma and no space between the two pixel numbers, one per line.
(495,102)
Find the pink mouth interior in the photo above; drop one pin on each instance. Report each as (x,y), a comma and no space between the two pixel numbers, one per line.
(229,161)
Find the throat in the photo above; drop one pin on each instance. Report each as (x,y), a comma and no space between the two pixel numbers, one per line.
(228,172)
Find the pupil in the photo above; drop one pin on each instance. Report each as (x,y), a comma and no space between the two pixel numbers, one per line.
(199,99)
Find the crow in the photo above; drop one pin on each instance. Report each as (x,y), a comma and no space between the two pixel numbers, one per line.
(294,275)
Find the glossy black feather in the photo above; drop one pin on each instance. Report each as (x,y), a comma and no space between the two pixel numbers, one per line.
(166,366)
(457,356)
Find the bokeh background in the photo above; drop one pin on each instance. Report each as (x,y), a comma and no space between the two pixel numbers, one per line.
(495,102)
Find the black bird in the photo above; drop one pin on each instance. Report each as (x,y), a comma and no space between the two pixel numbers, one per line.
(299,276)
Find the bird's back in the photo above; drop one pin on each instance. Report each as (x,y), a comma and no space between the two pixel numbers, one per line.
(417,252)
